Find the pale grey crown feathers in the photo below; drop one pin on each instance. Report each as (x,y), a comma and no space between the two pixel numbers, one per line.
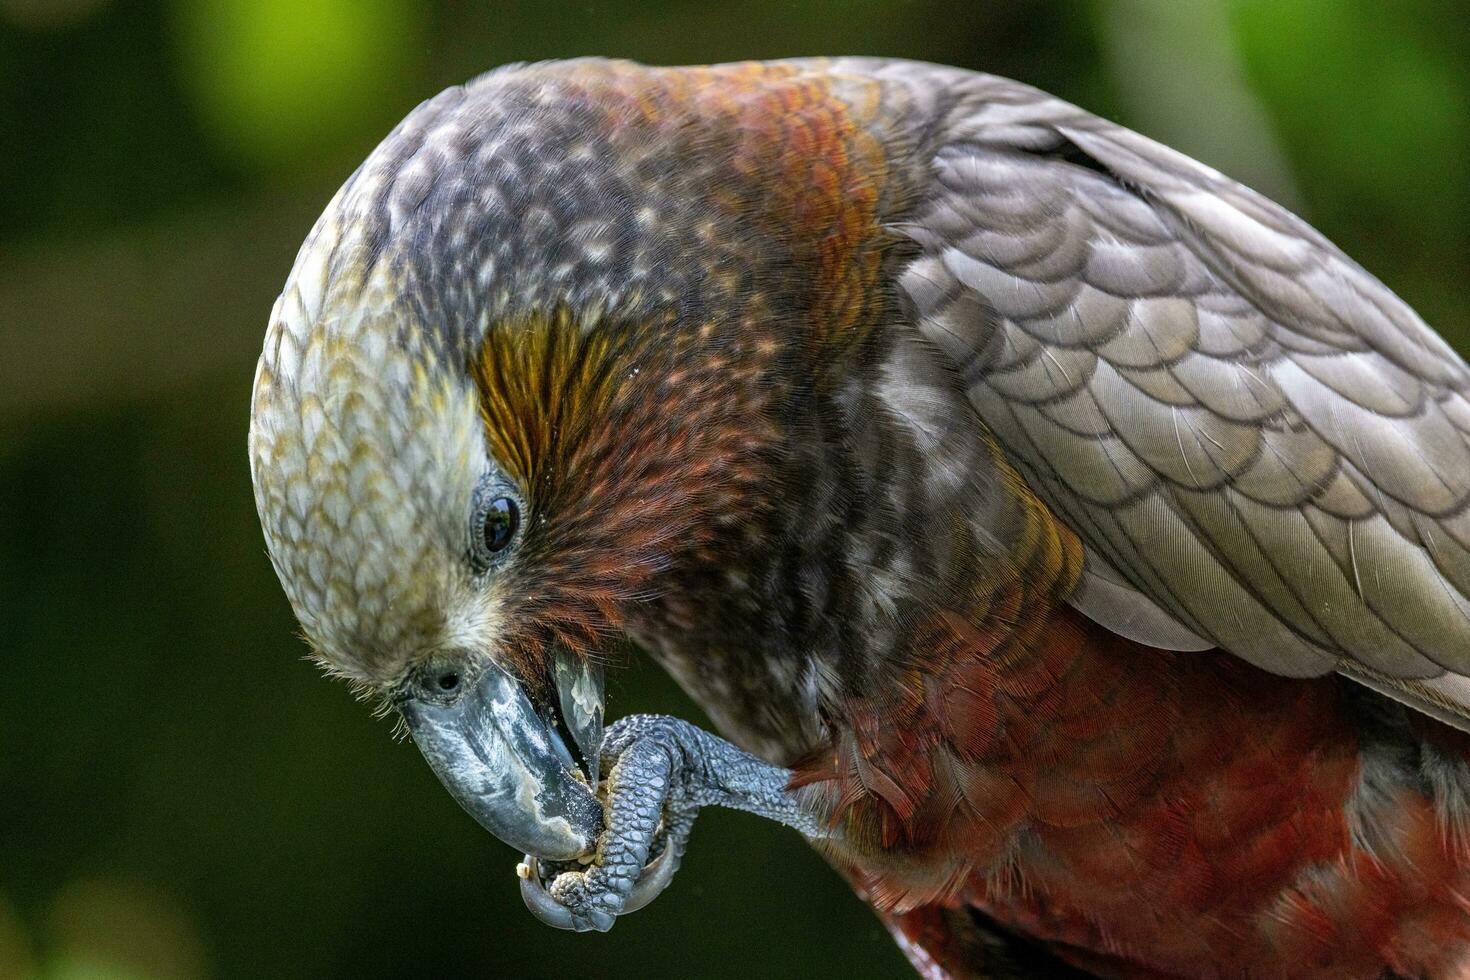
(365,441)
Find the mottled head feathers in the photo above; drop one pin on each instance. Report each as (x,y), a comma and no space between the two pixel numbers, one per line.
(592,278)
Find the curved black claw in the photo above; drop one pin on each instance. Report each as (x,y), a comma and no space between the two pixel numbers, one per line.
(539,900)
(657,875)
(558,914)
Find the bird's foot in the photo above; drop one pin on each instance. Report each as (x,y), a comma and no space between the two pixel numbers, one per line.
(660,771)
(643,818)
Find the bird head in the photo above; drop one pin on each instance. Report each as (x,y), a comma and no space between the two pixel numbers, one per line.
(511,410)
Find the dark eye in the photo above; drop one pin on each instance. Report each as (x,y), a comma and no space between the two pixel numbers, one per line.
(502,517)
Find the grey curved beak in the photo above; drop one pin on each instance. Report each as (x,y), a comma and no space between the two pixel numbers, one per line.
(508,766)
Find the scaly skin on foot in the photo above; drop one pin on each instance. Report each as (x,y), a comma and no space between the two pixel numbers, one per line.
(661,771)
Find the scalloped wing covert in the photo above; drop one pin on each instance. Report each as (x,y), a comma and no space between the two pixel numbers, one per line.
(1249,432)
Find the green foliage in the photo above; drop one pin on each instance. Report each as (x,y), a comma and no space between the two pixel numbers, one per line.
(271,79)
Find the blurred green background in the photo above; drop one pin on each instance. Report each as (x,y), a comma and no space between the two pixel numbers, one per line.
(180,794)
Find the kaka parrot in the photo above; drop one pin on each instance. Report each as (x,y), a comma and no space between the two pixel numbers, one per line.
(1071,543)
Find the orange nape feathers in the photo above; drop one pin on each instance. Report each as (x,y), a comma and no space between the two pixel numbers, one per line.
(804,163)
(636,447)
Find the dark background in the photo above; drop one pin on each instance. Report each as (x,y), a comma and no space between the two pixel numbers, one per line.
(180,794)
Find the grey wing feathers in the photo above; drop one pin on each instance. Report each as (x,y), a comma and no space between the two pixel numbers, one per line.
(1250,432)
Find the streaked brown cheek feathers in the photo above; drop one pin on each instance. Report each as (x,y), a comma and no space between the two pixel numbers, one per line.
(632,448)
(645,440)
